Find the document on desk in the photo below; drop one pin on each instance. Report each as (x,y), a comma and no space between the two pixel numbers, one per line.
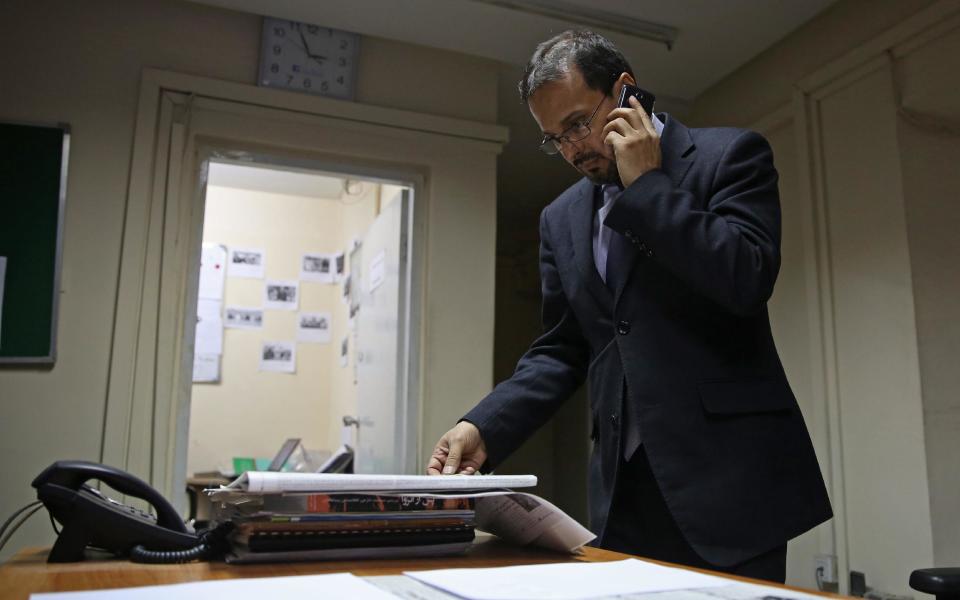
(566,581)
(263,482)
(527,519)
(338,585)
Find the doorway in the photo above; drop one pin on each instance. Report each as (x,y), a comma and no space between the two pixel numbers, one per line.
(302,318)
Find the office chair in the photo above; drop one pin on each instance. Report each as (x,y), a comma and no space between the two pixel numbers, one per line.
(942,583)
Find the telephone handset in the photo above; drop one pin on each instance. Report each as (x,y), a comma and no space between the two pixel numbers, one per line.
(89,518)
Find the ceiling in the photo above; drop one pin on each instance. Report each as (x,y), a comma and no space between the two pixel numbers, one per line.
(714,36)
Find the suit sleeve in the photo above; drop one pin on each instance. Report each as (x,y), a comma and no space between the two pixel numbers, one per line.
(727,248)
(548,373)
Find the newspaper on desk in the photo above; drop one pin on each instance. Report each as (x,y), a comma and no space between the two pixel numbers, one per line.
(517,517)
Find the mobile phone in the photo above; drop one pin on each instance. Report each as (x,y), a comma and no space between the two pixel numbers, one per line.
(646,98)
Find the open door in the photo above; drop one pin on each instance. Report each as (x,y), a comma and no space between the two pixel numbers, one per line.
(387,431)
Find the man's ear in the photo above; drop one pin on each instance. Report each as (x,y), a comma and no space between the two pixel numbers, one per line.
(624,79)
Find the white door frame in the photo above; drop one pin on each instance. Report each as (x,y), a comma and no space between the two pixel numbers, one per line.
(147,411)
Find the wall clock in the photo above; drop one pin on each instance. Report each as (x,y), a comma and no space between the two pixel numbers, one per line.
(308,58)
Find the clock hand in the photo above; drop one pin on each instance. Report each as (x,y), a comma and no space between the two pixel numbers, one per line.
(306,48)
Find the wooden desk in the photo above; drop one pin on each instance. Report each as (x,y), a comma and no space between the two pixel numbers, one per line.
(28,572)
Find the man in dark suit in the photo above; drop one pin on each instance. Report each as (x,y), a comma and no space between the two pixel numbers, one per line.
(656,269)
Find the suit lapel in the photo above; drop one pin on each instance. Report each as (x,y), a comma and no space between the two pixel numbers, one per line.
(581,231)
(677,153)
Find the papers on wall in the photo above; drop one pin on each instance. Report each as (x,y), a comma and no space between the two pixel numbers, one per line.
(345,351)
(3,277)
(314,327)
(337,585)
(213,266)
(566,581)
(243,318)
(339,262)
(246,262)
(209,333)
(280,357)
(345,292)
(206,368)
(317,267)
(282,295)
(378,267)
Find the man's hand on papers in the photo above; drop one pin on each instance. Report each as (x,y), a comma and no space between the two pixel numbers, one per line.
(460,450)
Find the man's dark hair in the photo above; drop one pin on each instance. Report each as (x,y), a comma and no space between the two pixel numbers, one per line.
(595,56)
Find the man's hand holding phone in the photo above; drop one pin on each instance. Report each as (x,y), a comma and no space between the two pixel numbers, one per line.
(636,145)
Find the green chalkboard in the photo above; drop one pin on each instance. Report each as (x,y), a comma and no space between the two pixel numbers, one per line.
(33,168)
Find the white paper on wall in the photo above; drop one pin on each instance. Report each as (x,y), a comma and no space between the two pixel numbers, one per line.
(208,338)
(246,262)
(314,327)
(280,357)
(281,295)
(377,270)
(340,266)
(206,368)
(239,317)
(213,267)
(345,351)
(319,268)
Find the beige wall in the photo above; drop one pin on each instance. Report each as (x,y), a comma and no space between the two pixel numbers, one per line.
(884,142)
(250,413)
(85,70)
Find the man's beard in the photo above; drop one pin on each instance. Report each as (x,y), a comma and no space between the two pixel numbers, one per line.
(607,173)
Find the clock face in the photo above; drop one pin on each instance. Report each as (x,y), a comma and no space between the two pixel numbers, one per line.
(308,58)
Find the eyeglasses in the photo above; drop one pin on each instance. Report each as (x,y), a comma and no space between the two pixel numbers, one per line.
(550,144)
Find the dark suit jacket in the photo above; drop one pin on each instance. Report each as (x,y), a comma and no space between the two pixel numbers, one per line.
(685,341)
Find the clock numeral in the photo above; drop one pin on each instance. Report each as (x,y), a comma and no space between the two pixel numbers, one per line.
(279,32)
(289,79)
(275,68)
(295,68)
(277,49)
(307,83)
(340,80)
(344,44)
(342,62)
(324,86)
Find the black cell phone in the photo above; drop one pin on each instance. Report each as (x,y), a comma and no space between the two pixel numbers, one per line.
(646,98)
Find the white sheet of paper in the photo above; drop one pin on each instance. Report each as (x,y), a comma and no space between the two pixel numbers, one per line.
(208,338)
(280,357)
(528,519)
(378,272)
(239,317)
(565,581)
(246,262)
(3,277)
(213,271)
(320,268)
(314,327)
(337,585)
(340,266)
(206,368)
(281,295)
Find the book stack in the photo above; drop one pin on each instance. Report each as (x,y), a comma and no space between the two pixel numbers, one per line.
(295,516)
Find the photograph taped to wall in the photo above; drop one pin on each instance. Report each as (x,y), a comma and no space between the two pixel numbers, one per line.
(345,292)
(206,368)
(318,268)
(246,262)
(279,357)
(208,338)
(378,270)
(345,351)
(314,327)
(238,317)
(282,295)
(340,264)
(213,267)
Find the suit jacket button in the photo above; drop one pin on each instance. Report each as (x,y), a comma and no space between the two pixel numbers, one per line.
(650,253)
(614,419)
(623,327)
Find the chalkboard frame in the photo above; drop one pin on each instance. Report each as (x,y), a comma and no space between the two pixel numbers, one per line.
(50,357)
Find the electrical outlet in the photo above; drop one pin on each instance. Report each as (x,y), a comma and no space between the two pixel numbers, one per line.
(825,570)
